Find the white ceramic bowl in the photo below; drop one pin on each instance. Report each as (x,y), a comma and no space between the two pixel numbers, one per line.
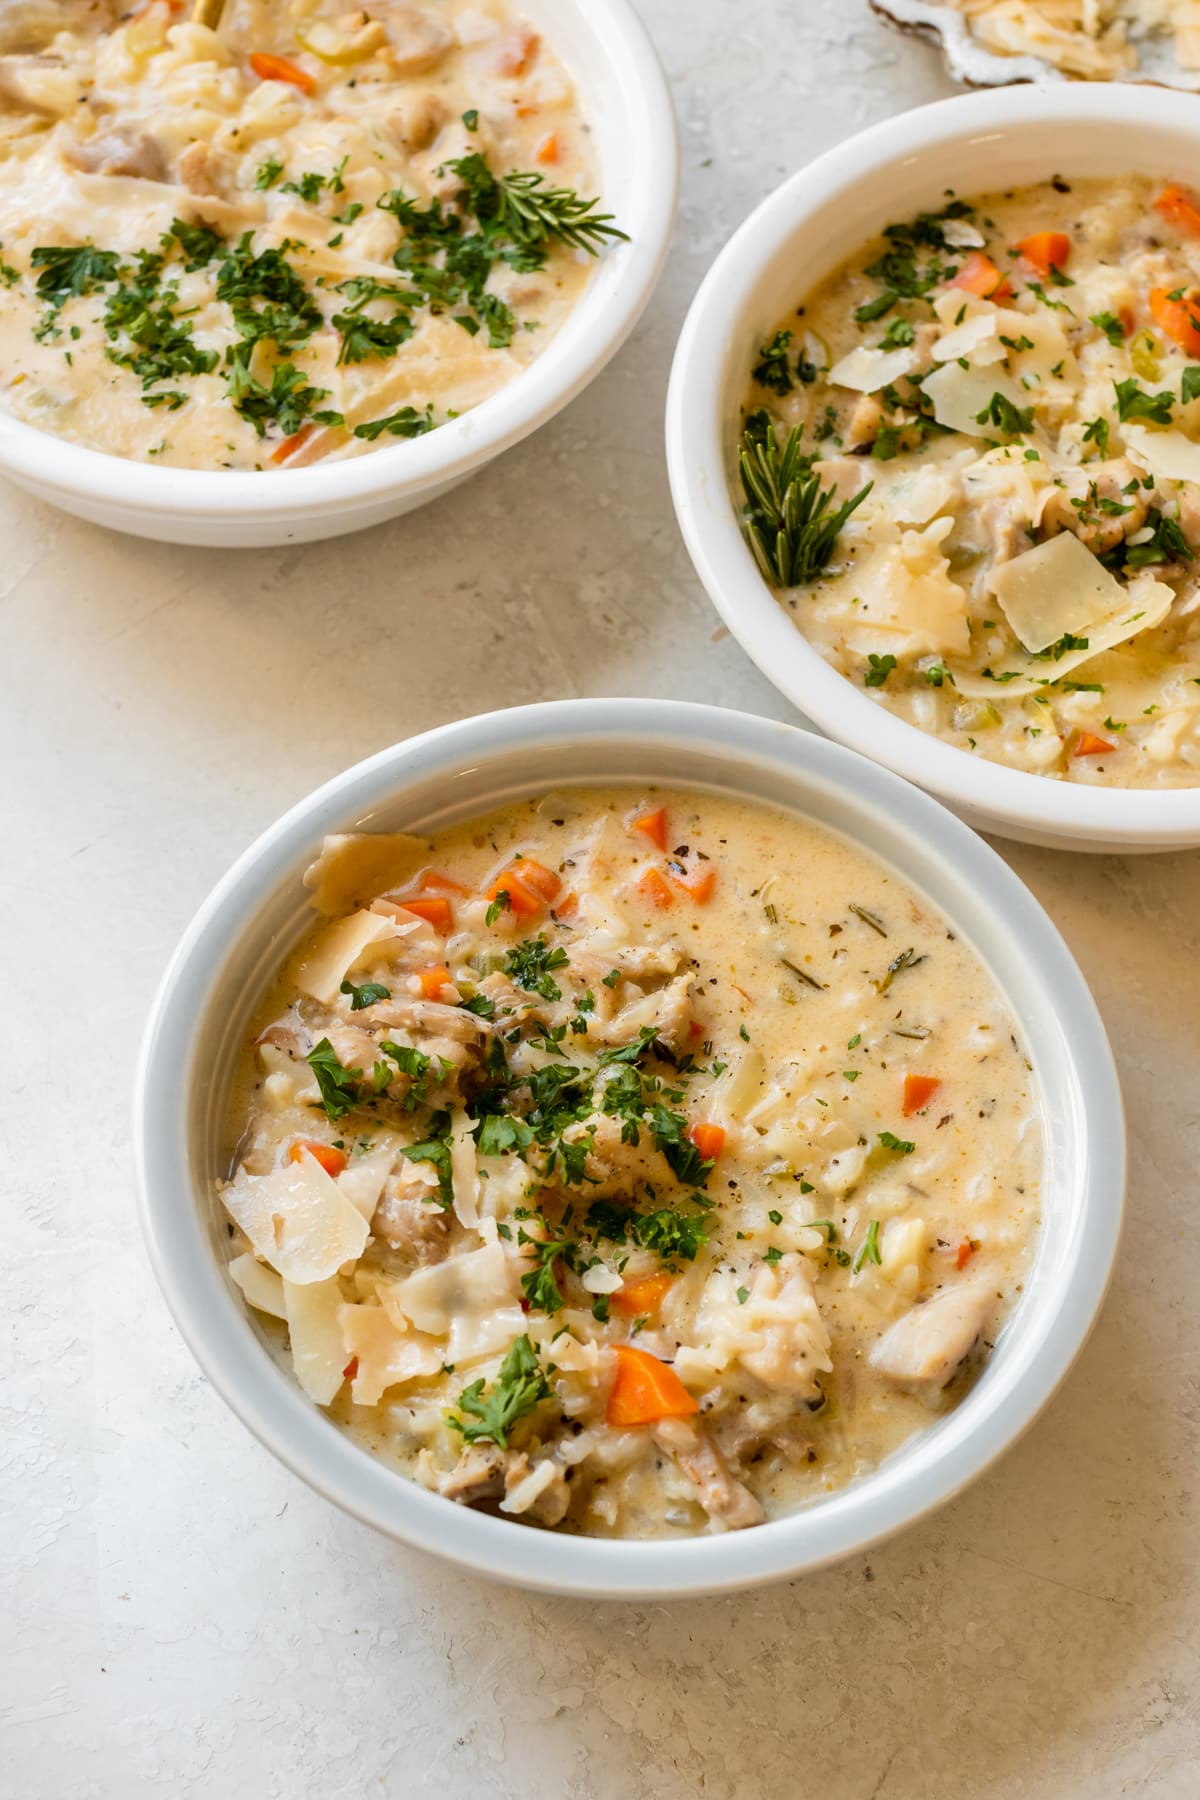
(800,233)
(258,911)
(625,98)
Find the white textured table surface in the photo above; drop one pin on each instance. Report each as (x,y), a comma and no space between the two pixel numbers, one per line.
(181,1617)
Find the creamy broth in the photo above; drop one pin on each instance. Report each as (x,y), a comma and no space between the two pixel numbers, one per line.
(301,236)
(710,1160)
(1023,577)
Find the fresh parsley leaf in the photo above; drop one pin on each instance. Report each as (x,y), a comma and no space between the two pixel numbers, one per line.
(880,667)
(529,964)
(409,423)
(901,1146)
(869,1248)
(518,1388)
(340,1087)
(1110,325)
(366,995)
(1133,403)
(773,369)
(1001,414)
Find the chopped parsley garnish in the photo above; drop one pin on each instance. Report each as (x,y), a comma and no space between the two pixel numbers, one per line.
(530,964)
(409,423)
(1189,386)
(773,369)
(1110,325)
(898,336)
(518,1388)
(1096,432)
(1000,413)
(1134,403)
(869,1248)
(878,670)
(340,1087)
(1166,543)
(267,174)
(366,995)
(901,1146)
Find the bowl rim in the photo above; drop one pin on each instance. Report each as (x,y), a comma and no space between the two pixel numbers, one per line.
(460,446)
(215,1326)
(1008,800)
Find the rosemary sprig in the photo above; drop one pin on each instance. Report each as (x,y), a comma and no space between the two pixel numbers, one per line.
(791,523)
(521,205)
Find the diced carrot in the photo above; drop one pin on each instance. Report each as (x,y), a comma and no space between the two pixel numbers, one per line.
(1088,744)
(695,1029)
(547,148)
(708,1139)
(331,1160)
(1125,315)
(652,825)
(1177,205)
(655,890)
(434,908)
(540,881)
(643,1295)
(1180,319)
(697,884)
(521,902)
(278,68)
(1046,250)
(433,980)
(646,1390)
(434,878)
(350,1370)
(962,1255)
(290,445)
(516,51)
(979,275)
(919,1091)
(567,907)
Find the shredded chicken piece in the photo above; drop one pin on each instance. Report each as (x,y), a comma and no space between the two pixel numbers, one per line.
(112,154)
(477,1475)
(408,1219)
(416,42)
(723,1497)
(1078,503)
(614,1170)
(417,120)
(928,1345)
(421,1016)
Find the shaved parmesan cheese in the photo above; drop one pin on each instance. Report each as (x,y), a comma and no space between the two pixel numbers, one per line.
(1055,588)
(959,396)
(362,1179)
(322,972)
(914,496)
(1139,606)
(261,1286)
(975,339)
(471,1300)
(866,370)
(907,602)
(387,1355)
(316,1337)
(463,1171)
(1165,453)
(354,867)
(297,1220)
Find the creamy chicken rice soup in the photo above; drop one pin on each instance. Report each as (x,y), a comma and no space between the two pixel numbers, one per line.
(640,1164)
(299,236)
(971,461)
